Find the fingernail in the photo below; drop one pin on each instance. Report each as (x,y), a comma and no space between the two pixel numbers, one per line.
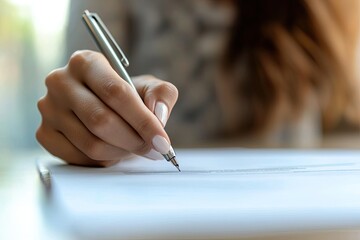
(161,144)
(161,112)
(154,155)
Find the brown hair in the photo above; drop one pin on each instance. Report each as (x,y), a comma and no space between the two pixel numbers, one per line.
(281,52)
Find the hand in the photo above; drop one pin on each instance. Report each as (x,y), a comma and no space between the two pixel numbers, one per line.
(90,116)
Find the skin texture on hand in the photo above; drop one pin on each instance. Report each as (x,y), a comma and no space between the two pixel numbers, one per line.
(92,117)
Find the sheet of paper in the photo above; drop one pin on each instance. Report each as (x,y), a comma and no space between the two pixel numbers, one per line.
(220,193)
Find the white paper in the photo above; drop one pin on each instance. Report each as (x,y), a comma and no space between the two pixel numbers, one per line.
(220,193)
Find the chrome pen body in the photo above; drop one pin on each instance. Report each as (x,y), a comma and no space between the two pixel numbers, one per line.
(107,45)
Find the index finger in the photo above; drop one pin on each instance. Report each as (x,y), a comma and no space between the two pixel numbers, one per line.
(96,73)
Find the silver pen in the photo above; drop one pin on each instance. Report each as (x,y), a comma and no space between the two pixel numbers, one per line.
(115,56)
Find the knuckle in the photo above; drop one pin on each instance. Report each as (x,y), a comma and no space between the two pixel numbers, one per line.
(40,135)
(45,109)
(99,118)
(141,149)
(144,125)
(167,89)
(81,60)
(79,57)
(115,90)
(53,79)
(56,80)
(78,60)
(94,149)
(41,105)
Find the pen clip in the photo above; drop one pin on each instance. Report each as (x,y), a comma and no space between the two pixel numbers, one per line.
(107,34)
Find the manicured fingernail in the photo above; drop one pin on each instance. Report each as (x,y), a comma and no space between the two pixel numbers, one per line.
(161,144)
(154,155)
(161,112)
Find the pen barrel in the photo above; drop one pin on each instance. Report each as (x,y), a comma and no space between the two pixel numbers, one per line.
(114,61)
(106,48)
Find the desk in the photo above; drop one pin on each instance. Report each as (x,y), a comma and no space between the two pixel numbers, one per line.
(21,212)
(22,206)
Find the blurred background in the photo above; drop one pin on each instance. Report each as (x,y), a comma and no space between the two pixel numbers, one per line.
(31,45)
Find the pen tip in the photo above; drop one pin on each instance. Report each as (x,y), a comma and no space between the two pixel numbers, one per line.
(175,164)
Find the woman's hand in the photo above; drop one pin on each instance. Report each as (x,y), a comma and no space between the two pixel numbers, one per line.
(90,116)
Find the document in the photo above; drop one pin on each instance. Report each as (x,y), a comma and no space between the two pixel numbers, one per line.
(220,194)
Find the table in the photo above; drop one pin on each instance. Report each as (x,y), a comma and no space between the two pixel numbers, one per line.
(23,207)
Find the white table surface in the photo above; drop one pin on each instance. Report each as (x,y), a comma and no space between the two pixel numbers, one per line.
(23,206)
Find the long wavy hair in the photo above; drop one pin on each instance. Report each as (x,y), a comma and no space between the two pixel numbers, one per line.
(281,52)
